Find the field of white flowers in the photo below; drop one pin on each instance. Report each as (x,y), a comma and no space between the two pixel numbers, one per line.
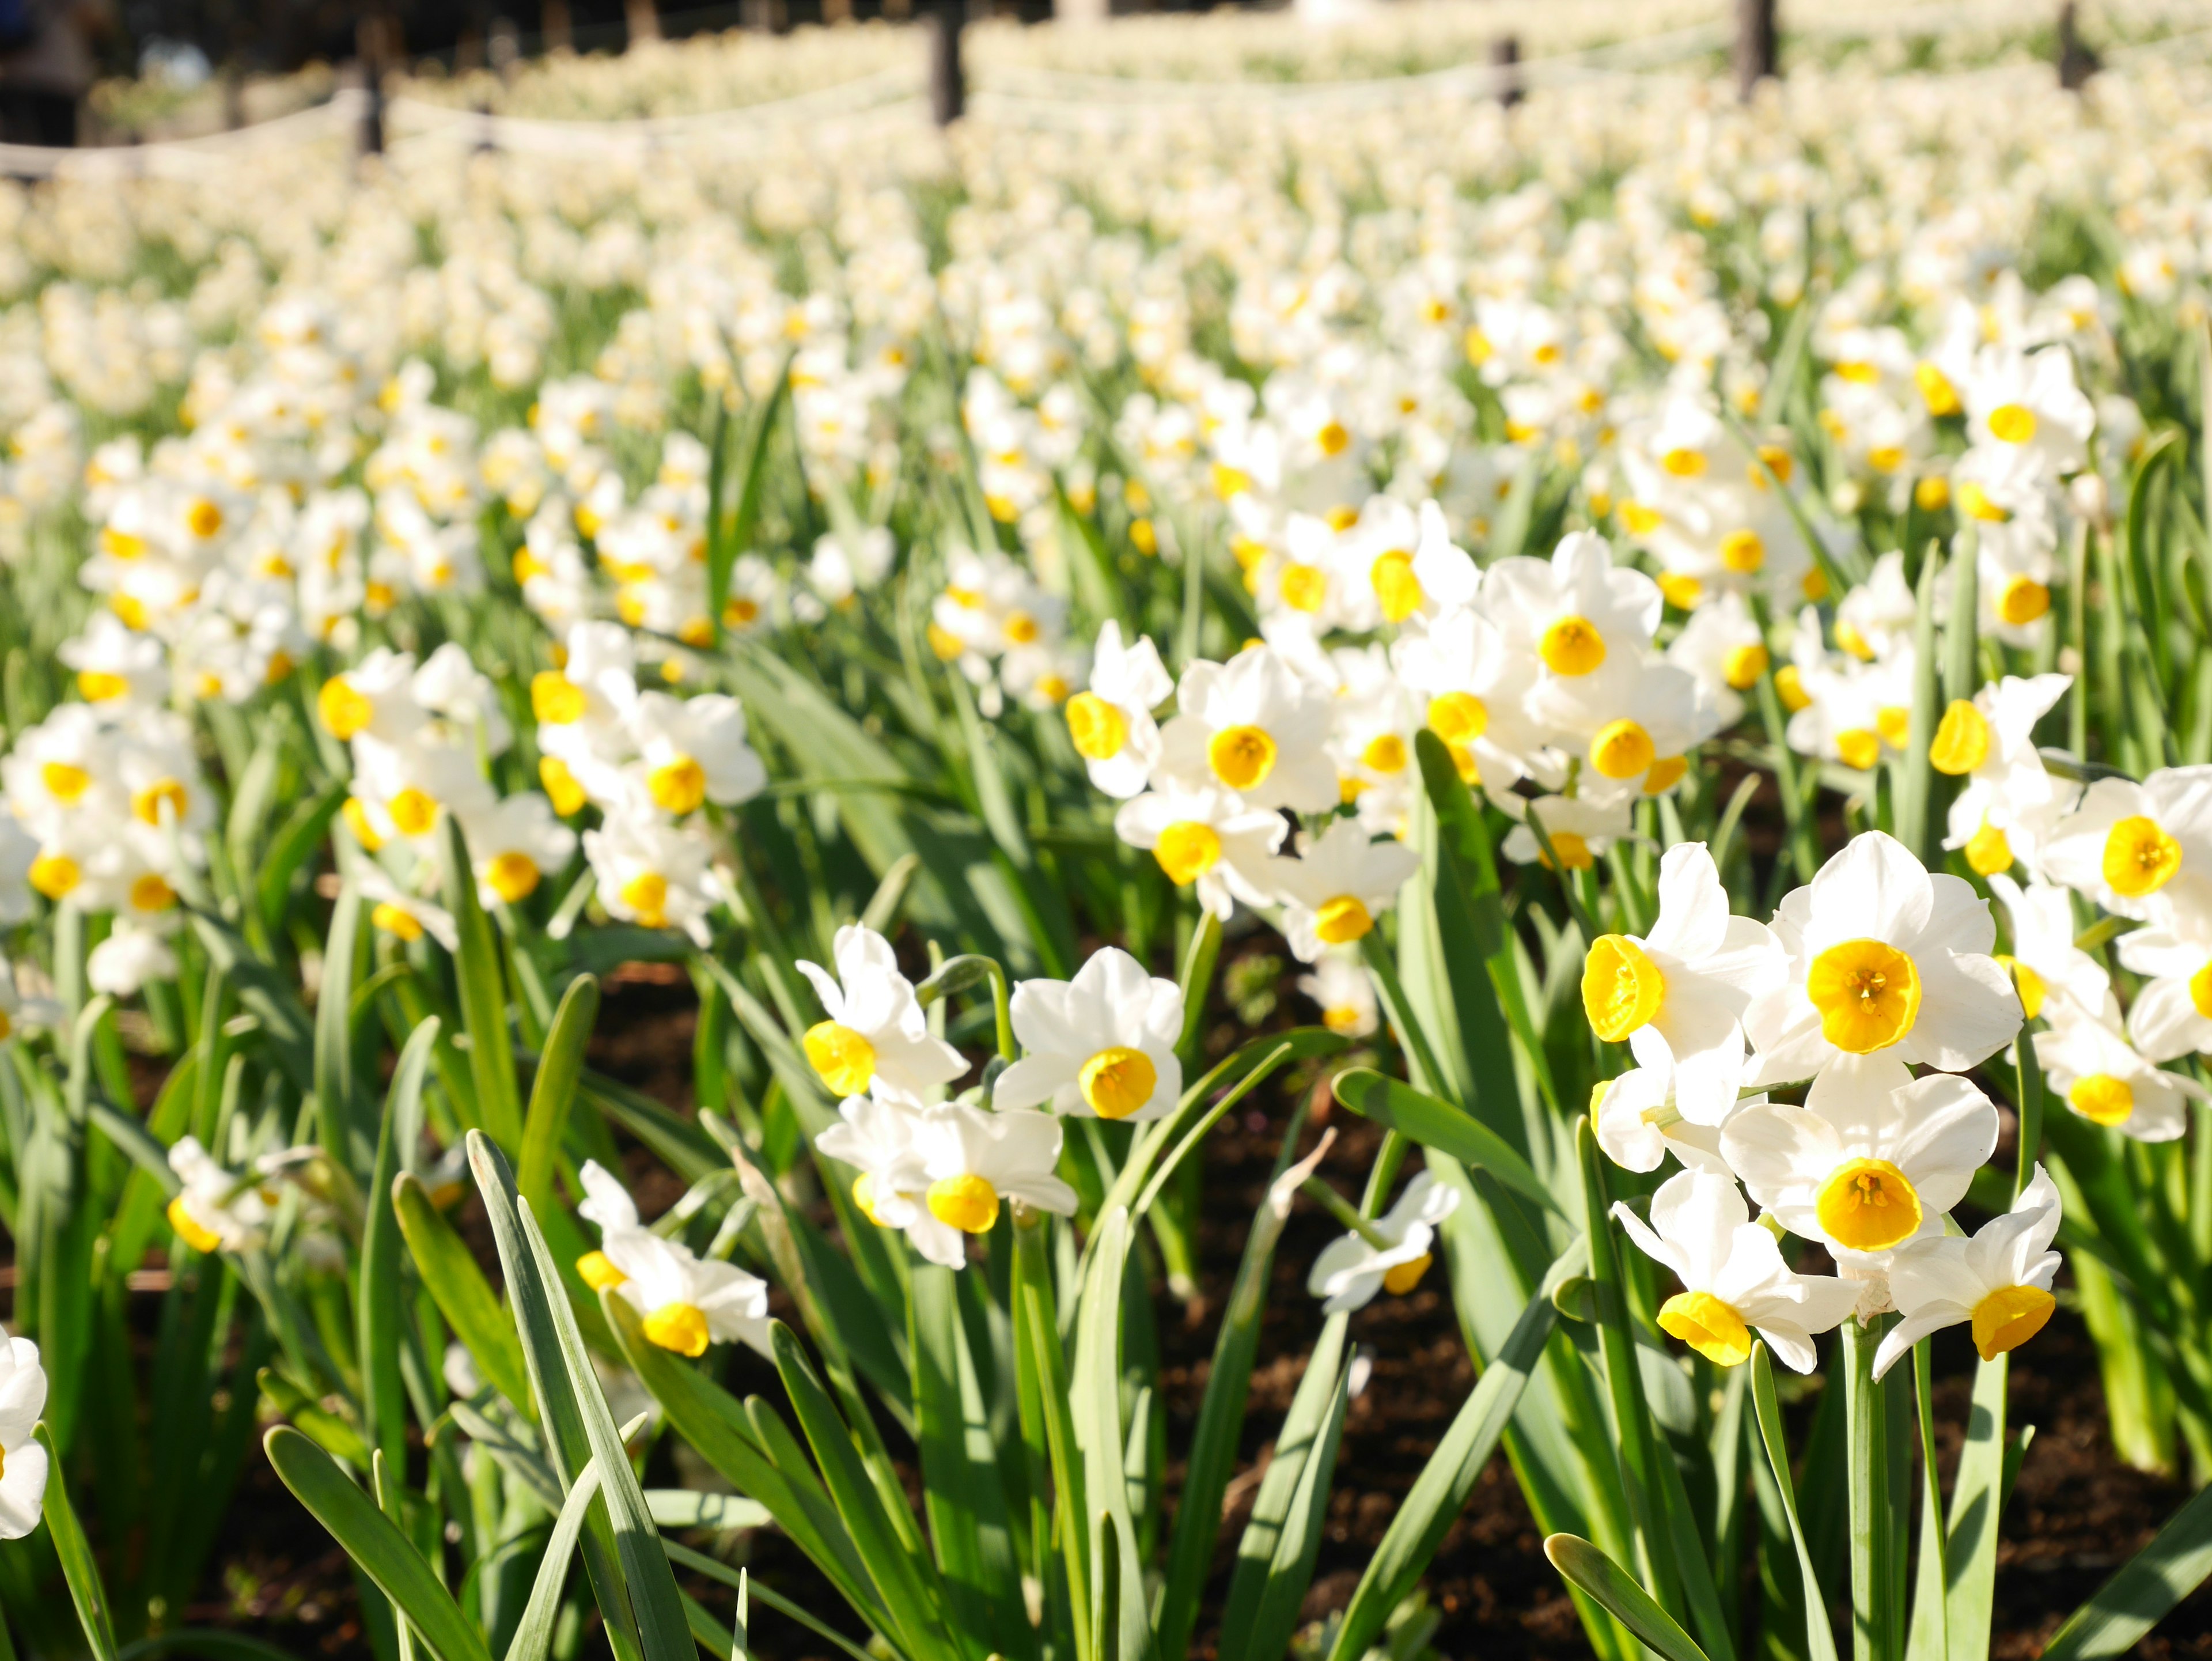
(1690,622)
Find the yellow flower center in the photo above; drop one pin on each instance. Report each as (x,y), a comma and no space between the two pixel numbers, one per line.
(1962,740)
(1571,646)
(968,1203)
(1988,850)
(943,645)
(1621,750)
(345,710)
(1574,852)
(65,782)
(2140,858)
(678,786)
(2200,991)
(561,787)
(1401,1278)
(679,1326)
(1117,1082)
(1684,463)
(413,812)
(598,1271)
(1859,747)
(1790,687)
(1743,665)
(1665,773)
(1885,457)
(1742,552)
(1384,754)
(1478,347)
(1707,1325)
(2008,1318)
(1343,1019)
(98,686)
(1021,628)
(191,1229)
(556,700)
(204,518)
(1342,920)
(2102,1099)
(1932,495)
(2023,600)
(513,877)
(2013,423)
(846,1060)
(1622,988)
(147,804)
(396,920)
(1867,1204)
(150,893)
(1242,757)
(2028,983)
(739,612)
(1894,722)
(646,894)
(1936,391)
(1853,640)
(1458,717)
(1868,993)
(1396,588)
(1186,851)
(54,874)
(864,1197)
(1097,729)
(1334,438)
(1682,591)
(1304,588)
(1979,505)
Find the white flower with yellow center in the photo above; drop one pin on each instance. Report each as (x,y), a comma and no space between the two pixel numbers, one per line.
(2172,1014)
(874,1034)
(1998,1281)
(2007,804)
(1341,882)
(976,1161)
(1472,690)
(1677,995)
(2026,404)
(1638,1125)
(2088,1064)
(1255,727)
(375,699)
(214,1209)
(607,1203)
(1632,722)
(405,790)
(404,915)
(1110,723)
(2016,563)
(2125,842)
(1878,616)
(1313,575)
(116,668)
(516,845)
(23,1469)
(653,874)
(686,1302)
(62,775)
(1882,958)
(1576,611)
(690,751)
(581,706)
(131,955)
(1733,1279)
(1581,831)
(881,1138)
(1351,1269)
(1341,989)
(1721,646)
(1102,1044)
(2045,963)
(1873,1159)
(1205,839)
(463,699)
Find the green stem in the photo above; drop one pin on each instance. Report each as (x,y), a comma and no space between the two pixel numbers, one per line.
(1342,1209)
(1874,1612)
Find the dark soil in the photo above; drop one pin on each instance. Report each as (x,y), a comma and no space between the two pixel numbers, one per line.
(2077,1515)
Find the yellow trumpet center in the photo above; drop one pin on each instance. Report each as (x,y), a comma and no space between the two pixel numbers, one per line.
(1962,740)
(55,874)
(561,787)
(1458,717)
(1334,438)
(204,518)
(1868,993)
(2008,1318)
(1396,588)
(1304,588)
(1684,463)
(1790,687)
(1186,851)
(1665,773)
(396,920)
(2200,991)
(1401,1278)
(1682,591)
(1384,754)
(678,786)
(1868,1205)
(413,812)
(2021,600)
(968,1203)
(1117,1082)
(1242,757)
(598,1271)
(2140,858)
(1936,391)
(556,700)
(191,1229)
(2014,423)
(1858,747)
(2102,1099)
(1622,988)
(1988,850)
(344,709)
(1097,729)
(1571,646)
(1574,852)
(146,805)
(1342,920)
(1021,628)
(2028,984)
(1743,665)
(1707,1325)
(1621,750)
(513,877)
(1742,552)
(680,1327)
(646,894)
(98,686)
(845,1059)
(150,893)
(864,1197)
(65,782)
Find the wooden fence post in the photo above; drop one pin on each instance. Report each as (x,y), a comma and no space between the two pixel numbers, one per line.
(1755,44)
(369,39)
(1506,59)
(948,94)
(2076,61)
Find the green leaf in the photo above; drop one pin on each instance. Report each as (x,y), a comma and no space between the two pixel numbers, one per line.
(690,1508)
(1977,1497)
(1820,1637)
(301,833)
(78,1567)
(378,1548)
(534,1635)
(2146,1586)
(1440,1125)
(1048,1424)
(1440,1493)
(1617,1590)
(484,996)
(458,1286)
(1095,1407)
(346,1138)
(560,1066)
(377,1312)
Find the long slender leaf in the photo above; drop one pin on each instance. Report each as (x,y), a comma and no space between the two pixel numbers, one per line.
(78,1568)
(2143,1589)
(1439,1125)
(484,996)
(377,1311)
(1615,1588)
(534,1635)
(1820,1637)
(560,1067)
(464,1296)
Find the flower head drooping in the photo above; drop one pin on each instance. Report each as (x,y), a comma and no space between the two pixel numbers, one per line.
(216,1210)
(1102,1044)
(874,1029)
(1351,1269)
(1341,882)
(1999,1280)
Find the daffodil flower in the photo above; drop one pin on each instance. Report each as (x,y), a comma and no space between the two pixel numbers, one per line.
(1576,611)
(1998,1281)
(1341,989)
(2172,1014)
(1338,884)
(2045,961)
(1102,1044)
(23,1470)
(1205,838)
(976,1161)
(2125,842)
(1639,1124)
(214,1209)
(1733,1279)
(1110,723)
(2007,804)
(2088,1063)
(1351,1269)
(1253,726)
(874,1033)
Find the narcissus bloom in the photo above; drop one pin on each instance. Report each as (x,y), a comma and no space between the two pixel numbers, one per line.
(1254,727)
(1883,957)
(1340,989)
(1638,1125)
(1352,1268)
(2126,842)
(1874,1158)
(1576,610)
(1206,839)
(2045,961)
(882,1139)
(975,1161)
(1339,883)
(687,1302)
(2003,812)
(2173,1013)
(2088,1063)
(216,1210)
(1111,723)
(875,1029)
(1677,995)
(1102,1044)
(1733,1279)
(22,1462)
(2000,1279)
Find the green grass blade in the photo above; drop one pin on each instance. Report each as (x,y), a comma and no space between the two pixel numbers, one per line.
(484,996)
(1438,1124)
(377,1312)
(348,1141)
(78,1568)
(448,1268)
(1617,1590)
(1820,1637)
(380,1550)
(2146,1587)
(560,1067)
(534,1635)
(1977,1497)
(1041,1388)
(1096,1408)
(301,833)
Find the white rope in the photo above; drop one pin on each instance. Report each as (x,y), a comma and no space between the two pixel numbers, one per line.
(186,158)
